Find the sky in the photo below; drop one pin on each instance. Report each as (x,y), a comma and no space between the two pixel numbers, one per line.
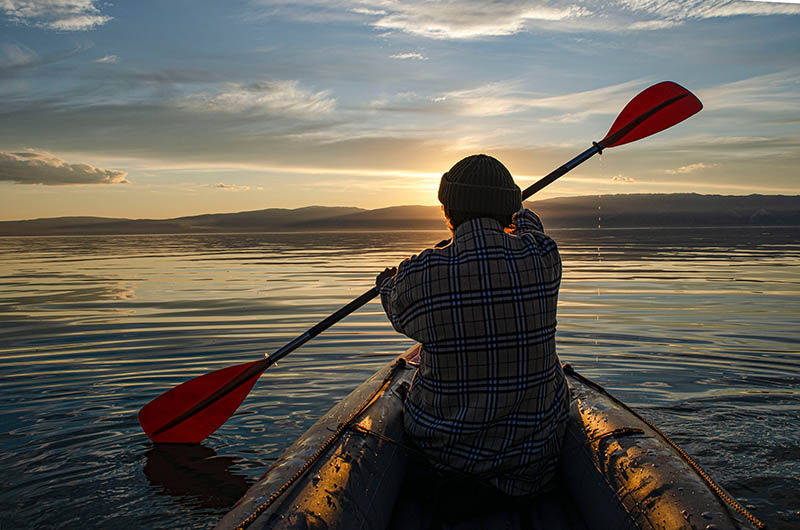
(169,108)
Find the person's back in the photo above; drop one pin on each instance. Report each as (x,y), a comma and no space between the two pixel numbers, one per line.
(489,399)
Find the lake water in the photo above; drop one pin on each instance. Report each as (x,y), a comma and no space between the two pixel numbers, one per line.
(699,329)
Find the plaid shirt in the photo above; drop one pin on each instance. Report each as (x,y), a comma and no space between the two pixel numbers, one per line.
(490,398)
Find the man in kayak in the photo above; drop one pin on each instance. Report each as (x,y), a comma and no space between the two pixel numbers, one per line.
(489,399)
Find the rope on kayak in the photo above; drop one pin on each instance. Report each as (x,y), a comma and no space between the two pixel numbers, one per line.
(622,431)
(400,363)
(694,465)
(416,451)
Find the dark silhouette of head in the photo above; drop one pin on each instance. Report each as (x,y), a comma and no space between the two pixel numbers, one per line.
(479,186)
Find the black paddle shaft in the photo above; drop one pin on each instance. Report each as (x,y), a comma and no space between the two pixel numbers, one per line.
(560,172)
(323,325)
(269,360)
(596,148)
(548,179)
(373,292)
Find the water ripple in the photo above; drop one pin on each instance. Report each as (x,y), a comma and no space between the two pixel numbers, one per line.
(696,328)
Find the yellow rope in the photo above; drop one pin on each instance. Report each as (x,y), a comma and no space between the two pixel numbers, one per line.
(694,465)
(324,447)
(708,480)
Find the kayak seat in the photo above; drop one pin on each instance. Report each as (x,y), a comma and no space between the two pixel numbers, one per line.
(429,500)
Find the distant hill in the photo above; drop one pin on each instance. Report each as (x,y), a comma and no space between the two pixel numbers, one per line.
(638,210)
(676,209)
(611,211)
(392,218)
(272,219)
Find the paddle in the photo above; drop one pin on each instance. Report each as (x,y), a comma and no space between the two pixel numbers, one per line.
(193,410)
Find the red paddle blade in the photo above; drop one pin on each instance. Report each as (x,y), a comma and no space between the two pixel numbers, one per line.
(192,410)
(656,108)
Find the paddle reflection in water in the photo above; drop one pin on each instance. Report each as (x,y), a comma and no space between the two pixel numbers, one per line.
(196,474)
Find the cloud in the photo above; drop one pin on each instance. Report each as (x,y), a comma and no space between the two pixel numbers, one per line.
(281,97)
(646,15)
(17,56)
(652,24)
(691,168)
(623,179)
(14,57)
(709,9)
(477,19)
(763,150)
(81,23)
(365,11)
(775,92)
(230,187)
(465,19)
(59,15)
(167,77)
(108,59)
(507,97)
(470,19)
(418,56)
(39,167)
(675,13)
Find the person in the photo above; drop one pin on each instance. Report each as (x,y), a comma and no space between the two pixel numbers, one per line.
(489,399)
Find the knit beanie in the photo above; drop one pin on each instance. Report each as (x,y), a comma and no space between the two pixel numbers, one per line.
(480,184)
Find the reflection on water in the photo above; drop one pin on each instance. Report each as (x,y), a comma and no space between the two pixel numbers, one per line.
(697,328)
(195,475)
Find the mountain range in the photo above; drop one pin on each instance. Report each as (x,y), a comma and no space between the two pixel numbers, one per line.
(610,211)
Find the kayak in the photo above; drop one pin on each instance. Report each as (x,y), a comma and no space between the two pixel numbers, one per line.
(353,470)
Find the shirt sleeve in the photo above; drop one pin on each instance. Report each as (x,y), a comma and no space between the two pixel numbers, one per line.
(391,290)
(526,221)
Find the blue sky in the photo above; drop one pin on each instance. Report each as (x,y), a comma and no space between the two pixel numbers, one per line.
(160,109)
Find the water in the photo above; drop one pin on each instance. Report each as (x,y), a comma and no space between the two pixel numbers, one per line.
(699,329)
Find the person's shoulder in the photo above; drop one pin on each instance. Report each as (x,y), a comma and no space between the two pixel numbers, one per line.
(528,228)
(526,220)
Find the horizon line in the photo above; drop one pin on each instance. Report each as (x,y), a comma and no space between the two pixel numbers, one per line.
(88,216)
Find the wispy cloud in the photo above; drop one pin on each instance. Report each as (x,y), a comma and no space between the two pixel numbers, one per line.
(778,91)
(575,185)
(211,167)
(775,146)
(691,168)
(476,19)
(283,97)
(16,56)
(108,59)
(508,97)
(464,19)
(59,15)
(622,179)
(717,9)
(675,13)
(652,24)
(409,55)
(230,187)
(40,167)
(470,19)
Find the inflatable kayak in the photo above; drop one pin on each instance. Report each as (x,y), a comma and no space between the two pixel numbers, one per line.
(353,470)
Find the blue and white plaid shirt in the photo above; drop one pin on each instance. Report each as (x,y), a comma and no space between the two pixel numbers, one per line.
(490,398)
